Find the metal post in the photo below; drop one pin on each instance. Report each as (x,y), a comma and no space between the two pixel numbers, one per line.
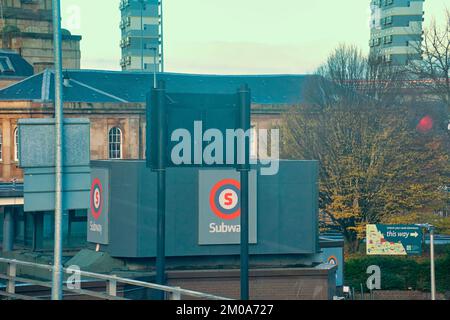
(161,232)
(159,122)
(59,118)
(244,123)
(175,294)
(362,292)
(111,288)
(244,237)
(11,272)
(433,278)
(38,231)
(8,230)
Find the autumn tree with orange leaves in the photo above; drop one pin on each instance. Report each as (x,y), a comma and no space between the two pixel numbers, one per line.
(376,161)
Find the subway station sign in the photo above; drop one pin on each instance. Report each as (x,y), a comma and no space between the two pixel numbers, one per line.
(394,240)
(98,213)
(219,207)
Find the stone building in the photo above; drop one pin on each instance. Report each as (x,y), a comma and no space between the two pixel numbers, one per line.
(27,28)
(114,102)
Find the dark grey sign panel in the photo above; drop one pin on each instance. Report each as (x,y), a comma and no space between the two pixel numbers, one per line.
(219,207)
(98,213)
(287,211)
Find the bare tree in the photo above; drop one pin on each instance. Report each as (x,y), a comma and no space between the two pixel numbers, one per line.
(434,68)
(349,77)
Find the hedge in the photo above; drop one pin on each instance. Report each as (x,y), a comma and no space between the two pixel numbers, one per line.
(400,273)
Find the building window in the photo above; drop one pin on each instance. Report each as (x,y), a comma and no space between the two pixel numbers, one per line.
(389,20)
(6,65)
(126,42)
(115,143)
(388,39)
(16,144)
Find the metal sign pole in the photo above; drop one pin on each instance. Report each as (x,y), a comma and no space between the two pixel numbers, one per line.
(59,120)
(161,232)
(430,229)
(244,123)
(433,278)
(159,121)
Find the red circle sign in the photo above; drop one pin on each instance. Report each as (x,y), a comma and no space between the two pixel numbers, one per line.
(224,199)
(96,198)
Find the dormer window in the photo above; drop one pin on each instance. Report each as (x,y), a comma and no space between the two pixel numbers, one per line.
(6,65)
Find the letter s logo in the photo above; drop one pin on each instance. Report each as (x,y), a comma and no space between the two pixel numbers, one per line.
(228,199)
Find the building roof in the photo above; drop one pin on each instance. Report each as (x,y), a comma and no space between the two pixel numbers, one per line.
(131,87)
(12,65)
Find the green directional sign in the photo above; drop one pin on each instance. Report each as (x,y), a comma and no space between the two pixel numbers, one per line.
(393,240)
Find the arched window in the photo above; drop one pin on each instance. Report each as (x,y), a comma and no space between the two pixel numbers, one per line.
(16,144)
(115,143)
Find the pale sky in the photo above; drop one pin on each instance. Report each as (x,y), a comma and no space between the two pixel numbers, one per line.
(233,36)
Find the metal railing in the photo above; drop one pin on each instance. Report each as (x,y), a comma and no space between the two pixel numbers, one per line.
(112,281)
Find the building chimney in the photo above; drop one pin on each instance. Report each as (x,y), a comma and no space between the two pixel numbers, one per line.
(41,66)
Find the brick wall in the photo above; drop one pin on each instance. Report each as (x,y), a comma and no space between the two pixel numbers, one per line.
(268,284)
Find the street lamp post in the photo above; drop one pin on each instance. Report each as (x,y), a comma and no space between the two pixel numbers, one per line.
(59,120)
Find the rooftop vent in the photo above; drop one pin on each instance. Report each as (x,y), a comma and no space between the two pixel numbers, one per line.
(66,80)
